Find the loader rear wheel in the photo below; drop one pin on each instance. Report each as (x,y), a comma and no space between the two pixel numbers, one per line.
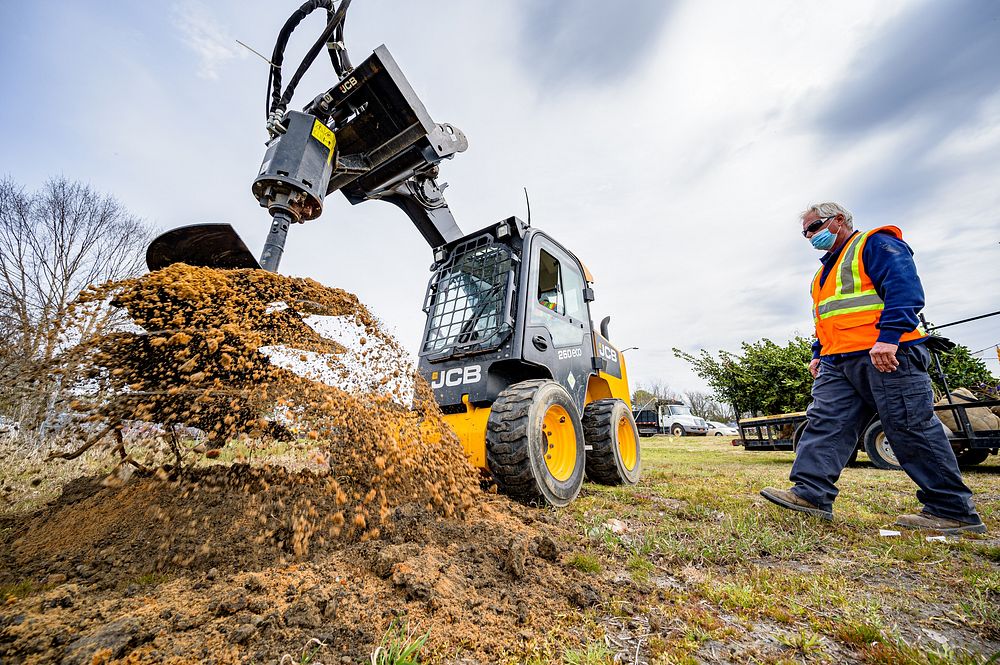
(534,443)
(613,458)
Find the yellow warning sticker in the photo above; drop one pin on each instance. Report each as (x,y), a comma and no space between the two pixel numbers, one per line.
(324,135)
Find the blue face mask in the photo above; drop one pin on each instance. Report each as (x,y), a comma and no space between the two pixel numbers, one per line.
(823,240)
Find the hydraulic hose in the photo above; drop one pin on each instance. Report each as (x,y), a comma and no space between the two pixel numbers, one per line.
(278,55)
(310,56)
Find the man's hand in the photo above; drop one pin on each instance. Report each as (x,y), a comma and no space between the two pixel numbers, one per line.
(884,356)
(814,367)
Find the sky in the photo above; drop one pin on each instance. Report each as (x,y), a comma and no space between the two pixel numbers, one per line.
(671,144)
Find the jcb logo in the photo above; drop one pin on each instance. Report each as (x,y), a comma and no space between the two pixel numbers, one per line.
(348,84)
(607,353)
(457,376)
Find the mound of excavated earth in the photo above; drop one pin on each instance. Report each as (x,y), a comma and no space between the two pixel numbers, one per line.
(485,586)
(198,561)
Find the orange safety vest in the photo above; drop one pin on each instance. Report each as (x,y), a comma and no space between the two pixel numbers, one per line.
(846,307)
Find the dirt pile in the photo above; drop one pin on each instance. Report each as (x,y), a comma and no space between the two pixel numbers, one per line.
(487,587)
(202,359)
(196,560)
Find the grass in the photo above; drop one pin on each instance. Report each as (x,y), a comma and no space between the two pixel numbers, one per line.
(587,563)
(592,654)
(399,646)
(715,569)
(21,589)
(306,656)
(778,586)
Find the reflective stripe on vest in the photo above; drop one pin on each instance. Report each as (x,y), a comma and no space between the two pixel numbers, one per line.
(848,297)
(847,317)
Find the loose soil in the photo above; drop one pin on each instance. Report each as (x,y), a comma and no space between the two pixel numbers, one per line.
(294,521)
(189,560)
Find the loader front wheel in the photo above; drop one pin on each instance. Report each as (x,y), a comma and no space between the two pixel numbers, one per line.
(534,443)
(613,458)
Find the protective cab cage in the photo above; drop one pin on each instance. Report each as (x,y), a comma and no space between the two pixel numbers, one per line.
(469,298)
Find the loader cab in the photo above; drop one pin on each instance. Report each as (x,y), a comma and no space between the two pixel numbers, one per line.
(506,304)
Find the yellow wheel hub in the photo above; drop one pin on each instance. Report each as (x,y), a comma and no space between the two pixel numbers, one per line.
(559,437)
(627,447)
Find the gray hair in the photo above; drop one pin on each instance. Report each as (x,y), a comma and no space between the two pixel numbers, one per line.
(830,209)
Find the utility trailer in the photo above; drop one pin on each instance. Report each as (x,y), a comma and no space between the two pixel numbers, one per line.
(771,432)
(782,432)
(971,446)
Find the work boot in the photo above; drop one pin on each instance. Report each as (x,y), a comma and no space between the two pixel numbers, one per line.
(792,501)
(942,524)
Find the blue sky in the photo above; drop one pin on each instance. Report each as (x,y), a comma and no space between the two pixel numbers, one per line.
(671,145)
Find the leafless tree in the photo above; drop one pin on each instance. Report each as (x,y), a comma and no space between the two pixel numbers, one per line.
(653,393)
(54,243)
(705,406)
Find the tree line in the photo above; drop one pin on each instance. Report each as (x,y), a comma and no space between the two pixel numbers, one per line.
(54,242)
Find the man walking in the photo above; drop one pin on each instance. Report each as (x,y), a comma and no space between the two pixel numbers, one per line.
(870,355)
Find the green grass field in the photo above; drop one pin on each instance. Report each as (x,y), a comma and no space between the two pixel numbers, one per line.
(742,580)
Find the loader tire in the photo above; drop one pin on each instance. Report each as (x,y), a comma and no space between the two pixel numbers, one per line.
(611,433)
(534,443)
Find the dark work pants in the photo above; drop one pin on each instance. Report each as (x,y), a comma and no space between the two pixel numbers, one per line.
(845,393)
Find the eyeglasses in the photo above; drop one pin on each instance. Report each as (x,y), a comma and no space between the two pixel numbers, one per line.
(815,226)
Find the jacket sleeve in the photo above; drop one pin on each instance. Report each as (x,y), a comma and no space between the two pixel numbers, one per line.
(889,263)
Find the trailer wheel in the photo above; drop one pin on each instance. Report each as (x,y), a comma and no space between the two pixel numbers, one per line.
(972,456)
(535,443)
(878,448)
(797,434)
(677,430)
(613,458)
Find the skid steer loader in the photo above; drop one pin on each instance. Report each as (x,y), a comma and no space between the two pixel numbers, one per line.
(536,395)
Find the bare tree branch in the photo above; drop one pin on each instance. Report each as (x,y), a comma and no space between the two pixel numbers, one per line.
(54,243)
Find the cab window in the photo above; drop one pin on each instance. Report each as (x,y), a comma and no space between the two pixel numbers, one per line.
(549,284)
(559,303)
(573,286)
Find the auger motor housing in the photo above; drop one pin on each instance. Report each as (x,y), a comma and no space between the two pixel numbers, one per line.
(293,178)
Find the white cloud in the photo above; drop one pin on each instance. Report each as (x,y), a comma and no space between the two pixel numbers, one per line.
(677,182)
(204,35)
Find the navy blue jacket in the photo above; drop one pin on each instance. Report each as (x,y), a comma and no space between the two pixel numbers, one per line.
(889,263)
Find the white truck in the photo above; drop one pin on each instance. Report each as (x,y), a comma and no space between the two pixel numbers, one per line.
(678,420)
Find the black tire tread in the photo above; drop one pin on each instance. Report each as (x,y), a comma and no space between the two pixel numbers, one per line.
(599,431)
(972,456)
(508,424)
(870,435)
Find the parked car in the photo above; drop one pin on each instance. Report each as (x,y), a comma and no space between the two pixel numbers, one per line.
(715,428)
